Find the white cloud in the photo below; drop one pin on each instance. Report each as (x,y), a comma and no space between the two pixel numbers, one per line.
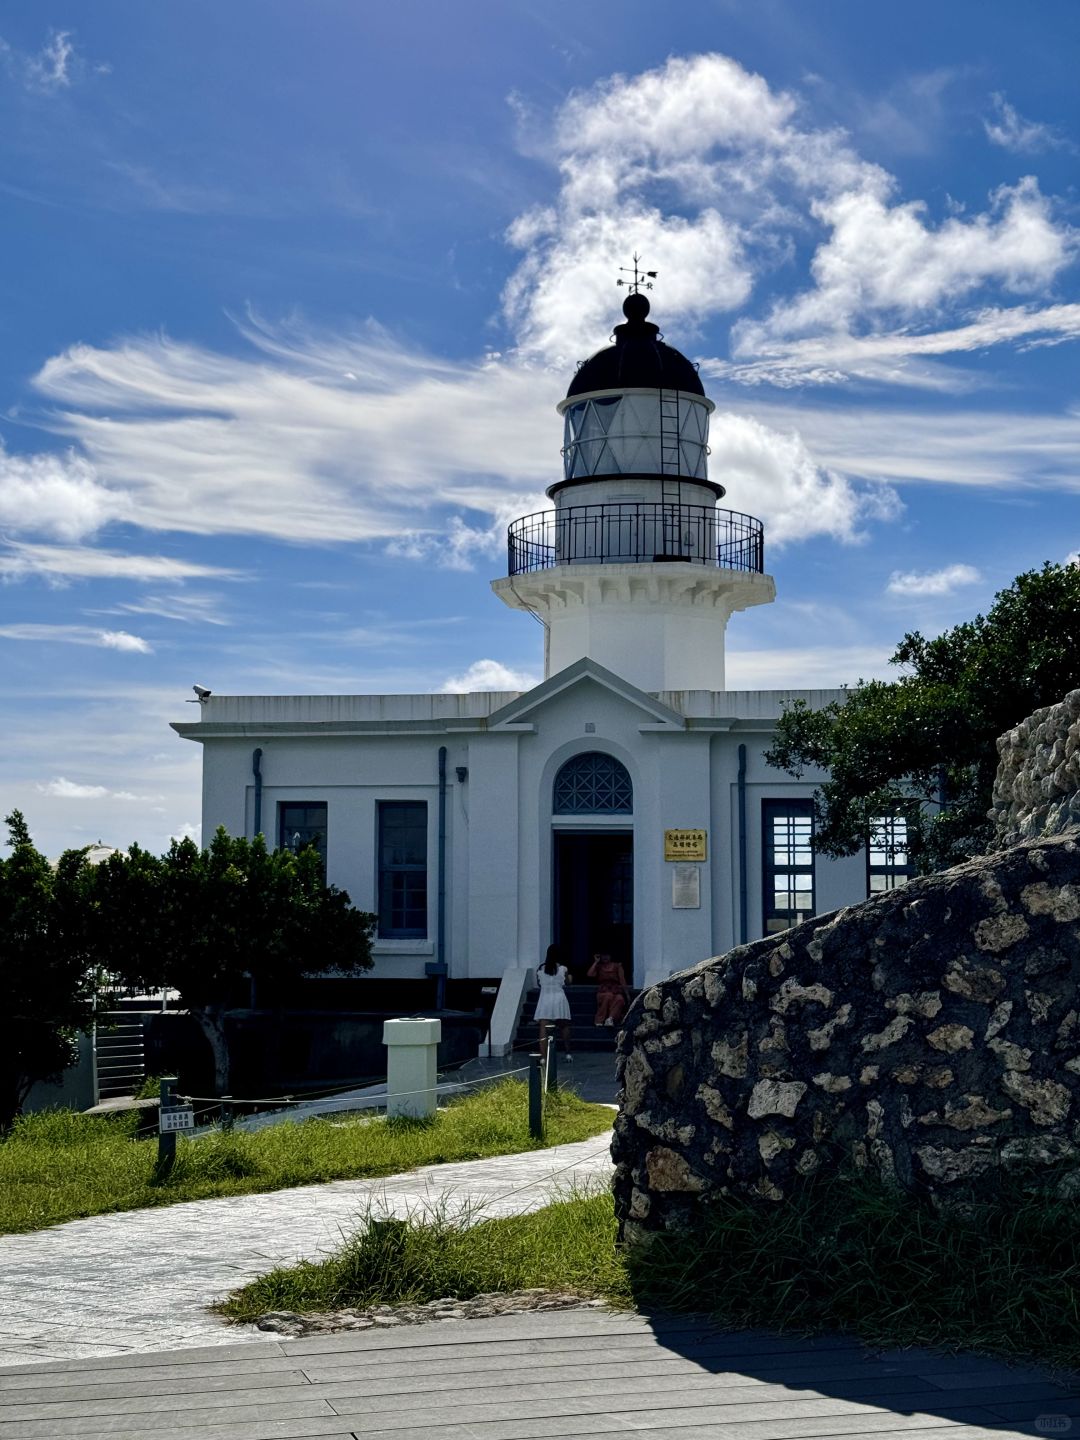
(77,635)
(268,445)
(882,258)
(933,582)
(684,163)
(807,667)
(55,495)
(901,356)
(332,438)
(961,446)
(774,475)
(122,640)
(50,69)
(283,443)
(59,564)
(188,831)
(63,789)
(1009,129)
(707,171)
(183,606)
(489,675)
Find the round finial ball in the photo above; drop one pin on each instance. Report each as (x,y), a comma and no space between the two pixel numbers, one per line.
(635,307)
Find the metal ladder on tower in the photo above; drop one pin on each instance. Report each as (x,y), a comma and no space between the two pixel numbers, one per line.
(671,486)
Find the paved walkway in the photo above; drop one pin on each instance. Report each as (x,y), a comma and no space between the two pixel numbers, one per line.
(522,1377)
(141,1280)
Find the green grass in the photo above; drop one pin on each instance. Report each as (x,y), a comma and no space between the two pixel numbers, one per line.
(567,1246)
(843,1255)
(59,1165)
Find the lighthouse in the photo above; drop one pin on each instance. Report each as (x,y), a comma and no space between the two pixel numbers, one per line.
(637,566)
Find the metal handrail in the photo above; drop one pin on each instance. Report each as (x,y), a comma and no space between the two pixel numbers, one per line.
(636,531)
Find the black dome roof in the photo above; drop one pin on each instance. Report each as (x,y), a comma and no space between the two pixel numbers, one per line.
(638,360)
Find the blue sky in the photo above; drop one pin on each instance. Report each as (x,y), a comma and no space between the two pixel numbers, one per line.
(289,291)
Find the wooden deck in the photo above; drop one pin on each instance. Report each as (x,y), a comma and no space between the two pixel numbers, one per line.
(568,1373)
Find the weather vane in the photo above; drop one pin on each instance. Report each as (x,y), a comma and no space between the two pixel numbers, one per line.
(642,278)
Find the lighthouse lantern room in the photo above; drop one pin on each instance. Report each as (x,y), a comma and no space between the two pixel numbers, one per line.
(636,566)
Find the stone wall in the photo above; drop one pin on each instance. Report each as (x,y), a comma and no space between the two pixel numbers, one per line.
(1037,789)
(931,1035)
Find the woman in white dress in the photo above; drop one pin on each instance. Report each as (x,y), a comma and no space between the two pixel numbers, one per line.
(553,1008)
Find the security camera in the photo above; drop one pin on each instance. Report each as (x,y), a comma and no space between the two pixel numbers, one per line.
(201,692)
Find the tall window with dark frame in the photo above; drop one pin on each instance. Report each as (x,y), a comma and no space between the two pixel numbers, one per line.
(788,856)
(888,862)
(403,869)
(302,823)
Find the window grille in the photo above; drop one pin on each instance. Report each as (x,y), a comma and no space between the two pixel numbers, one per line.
(788,855)
(888,862)
(403,869)
(593,784)
(303,823)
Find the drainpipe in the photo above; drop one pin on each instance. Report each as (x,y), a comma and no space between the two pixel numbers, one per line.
(742,844)
(440,940)
(256,770)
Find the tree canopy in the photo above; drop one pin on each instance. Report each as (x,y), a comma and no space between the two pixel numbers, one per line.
(46,971)
(925,743)
(210,924)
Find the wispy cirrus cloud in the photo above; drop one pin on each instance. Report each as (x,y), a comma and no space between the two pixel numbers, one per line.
(60,564)
(52,68)
(933,582)
(268,444)
(908,357)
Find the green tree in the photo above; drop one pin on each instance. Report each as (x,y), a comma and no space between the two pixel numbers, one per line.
(46,976)
(211,923)
(926,742)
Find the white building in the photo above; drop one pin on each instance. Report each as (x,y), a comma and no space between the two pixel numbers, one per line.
(623,803)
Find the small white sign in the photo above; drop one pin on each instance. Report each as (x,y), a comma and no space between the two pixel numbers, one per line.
(180,1118)
(686,887)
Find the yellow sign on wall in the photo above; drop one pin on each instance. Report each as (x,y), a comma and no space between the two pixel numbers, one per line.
(685,845)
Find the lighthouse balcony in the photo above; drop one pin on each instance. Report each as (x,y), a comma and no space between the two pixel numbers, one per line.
(636,531)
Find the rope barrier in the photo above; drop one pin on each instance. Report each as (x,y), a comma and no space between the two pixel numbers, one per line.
(351,1092)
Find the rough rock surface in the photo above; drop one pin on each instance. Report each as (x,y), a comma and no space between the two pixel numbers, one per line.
(480,1307)
(931,1034)
(1037,789)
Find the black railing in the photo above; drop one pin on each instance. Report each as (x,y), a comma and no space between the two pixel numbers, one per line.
(634,531)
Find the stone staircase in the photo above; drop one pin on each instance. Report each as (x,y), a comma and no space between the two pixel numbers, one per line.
(584,1035)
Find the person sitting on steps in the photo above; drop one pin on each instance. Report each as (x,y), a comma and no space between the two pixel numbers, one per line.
(612,991)
(553,1006)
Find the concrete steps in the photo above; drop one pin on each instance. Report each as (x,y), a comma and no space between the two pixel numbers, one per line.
(584,1035)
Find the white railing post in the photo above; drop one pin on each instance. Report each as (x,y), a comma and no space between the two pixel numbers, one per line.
(412,1071)
(506,1015)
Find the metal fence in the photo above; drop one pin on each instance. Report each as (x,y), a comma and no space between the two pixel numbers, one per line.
(629,532)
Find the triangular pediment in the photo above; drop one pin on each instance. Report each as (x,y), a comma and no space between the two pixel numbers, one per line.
(584,672)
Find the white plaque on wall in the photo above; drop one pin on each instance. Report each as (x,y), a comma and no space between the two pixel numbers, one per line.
(686,887)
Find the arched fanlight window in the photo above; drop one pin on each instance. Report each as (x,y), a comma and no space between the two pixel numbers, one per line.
(593,784)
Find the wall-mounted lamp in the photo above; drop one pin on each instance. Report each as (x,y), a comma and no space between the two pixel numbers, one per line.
(462,773)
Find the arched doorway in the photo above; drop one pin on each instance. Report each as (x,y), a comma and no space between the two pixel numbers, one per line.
(593,861)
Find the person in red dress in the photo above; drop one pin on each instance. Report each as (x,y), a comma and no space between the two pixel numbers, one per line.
(612,991)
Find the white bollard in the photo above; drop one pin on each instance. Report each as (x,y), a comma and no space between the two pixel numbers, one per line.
(411,1066)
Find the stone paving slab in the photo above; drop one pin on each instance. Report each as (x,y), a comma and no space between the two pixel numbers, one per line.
(611,1373)
(141,1280)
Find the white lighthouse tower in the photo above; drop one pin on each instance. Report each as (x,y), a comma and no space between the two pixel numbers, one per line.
(637,567)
